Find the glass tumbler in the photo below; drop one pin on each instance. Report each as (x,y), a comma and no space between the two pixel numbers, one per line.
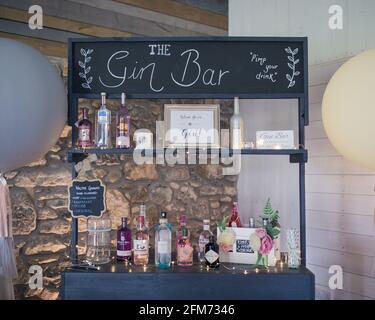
(99,240)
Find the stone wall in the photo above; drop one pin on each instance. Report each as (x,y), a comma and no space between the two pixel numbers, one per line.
(39,196)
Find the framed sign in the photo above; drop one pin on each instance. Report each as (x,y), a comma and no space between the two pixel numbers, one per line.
(192,125)
(275,139)
(86,198)
(242,251)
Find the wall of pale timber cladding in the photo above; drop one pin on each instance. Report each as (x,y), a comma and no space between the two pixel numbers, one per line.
(39,196)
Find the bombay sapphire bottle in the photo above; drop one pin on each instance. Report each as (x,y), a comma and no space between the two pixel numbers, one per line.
(103,125)
(124,241)
(163,240)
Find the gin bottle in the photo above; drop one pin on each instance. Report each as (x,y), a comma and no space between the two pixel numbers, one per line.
(163,240)
(123,125)
(234,219)
(181,225)
(203,240)
(124,241)
(236,127)
(212,253)
(184,249)
(140,243)
(103,125)
(84,131)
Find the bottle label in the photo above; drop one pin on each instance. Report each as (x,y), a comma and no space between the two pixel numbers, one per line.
(140,247)
(123,127)
(185,253)
(102,116)
(162,247)
(123,244)
(211,256)
(124,253)
(84,134)
(202,242)
(122,141)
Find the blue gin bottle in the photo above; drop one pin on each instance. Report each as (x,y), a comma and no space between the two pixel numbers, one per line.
(163,243)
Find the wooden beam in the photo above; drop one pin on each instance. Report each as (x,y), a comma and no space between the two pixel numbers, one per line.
(20,28)
(148,22)
(63,24)
(47,47)
(111,14)
(218,6)
(183,11)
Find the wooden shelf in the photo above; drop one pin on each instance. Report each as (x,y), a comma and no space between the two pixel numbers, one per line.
(296,155)
(116,281)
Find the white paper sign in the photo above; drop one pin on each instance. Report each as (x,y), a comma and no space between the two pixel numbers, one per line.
(192,125)
(275,139)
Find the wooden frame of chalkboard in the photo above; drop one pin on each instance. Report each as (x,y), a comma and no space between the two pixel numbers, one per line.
(80,73)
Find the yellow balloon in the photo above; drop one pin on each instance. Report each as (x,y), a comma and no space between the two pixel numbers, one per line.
(348,109)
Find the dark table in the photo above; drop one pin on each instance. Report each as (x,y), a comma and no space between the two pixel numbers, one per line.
(117,281)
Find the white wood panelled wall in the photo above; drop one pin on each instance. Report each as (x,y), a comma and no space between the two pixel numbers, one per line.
(307,18)
(340,203)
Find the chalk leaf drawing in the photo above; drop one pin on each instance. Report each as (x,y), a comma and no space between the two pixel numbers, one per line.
(86,79)
(292,65)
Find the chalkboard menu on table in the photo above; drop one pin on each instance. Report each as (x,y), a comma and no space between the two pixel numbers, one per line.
(87,198)
(182,67)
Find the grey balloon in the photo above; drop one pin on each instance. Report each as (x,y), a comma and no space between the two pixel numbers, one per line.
(33,105)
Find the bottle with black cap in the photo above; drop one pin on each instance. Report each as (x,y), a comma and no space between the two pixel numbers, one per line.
(212,253)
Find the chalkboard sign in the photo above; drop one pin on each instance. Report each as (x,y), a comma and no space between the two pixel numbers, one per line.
(188,67)
(87,198)
(243,246)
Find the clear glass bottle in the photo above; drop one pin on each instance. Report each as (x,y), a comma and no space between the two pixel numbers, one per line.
(203,240)
(103,125)
(99,240)
(184,249)
(85,138)
(123,125)
(236,127)
(140,243)
(124,241)
(212,253)
(163,241)
(234,219)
